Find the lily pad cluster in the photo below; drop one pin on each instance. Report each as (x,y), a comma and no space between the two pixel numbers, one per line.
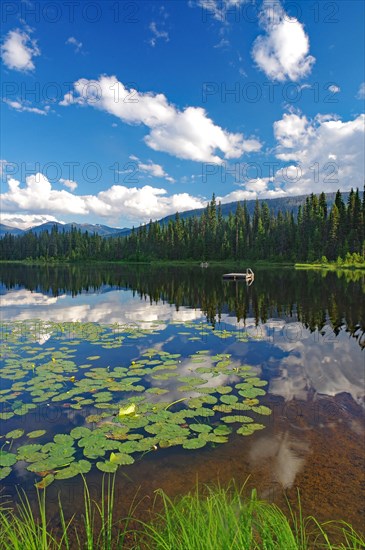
(155,401)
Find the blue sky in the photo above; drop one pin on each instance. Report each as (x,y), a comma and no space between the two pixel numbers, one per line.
(118,112)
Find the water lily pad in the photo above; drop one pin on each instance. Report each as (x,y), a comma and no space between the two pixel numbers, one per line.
(83,466)
(252,392)
(157,391)
(210,399)
(36,433)
(67,473)
(195,443)
(49,463)
(262,409)
(15,434)
(93,451)
(222,430)
(121,458)
(4,472)
(26,451)
(92,418)
(258,382)
(236,418)
(204,412)
(108,467)
(229,399)
(200,428)
(224,389)
(6,415)
(245,430)
(63,439)
(223,408)
(93,438)
(121,433)
(48,374)
(7,459)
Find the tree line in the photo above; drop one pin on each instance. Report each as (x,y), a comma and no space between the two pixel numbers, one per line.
(316,233)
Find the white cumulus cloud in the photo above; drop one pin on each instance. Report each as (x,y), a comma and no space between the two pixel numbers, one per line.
(70,184)
(334,89)
(39,197)
(283,52)
(325,153)
(152,169)
(132,204)
(18,50)
(25,106)
(25,221)
(188,134)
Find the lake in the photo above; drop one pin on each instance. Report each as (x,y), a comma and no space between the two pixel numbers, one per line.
(170,375)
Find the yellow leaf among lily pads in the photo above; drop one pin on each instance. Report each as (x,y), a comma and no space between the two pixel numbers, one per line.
(129,409)
(47,480)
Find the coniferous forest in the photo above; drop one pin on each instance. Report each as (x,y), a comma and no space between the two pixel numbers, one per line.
(315,233)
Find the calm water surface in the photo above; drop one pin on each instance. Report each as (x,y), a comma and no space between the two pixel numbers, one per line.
(302,332)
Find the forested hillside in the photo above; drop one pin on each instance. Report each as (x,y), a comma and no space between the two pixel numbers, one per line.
(283,204)
(315,231)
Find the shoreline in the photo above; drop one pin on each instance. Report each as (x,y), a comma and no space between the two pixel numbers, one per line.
(193,263)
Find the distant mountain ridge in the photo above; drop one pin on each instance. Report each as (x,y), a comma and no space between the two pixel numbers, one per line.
(8,229)
(102,230)
(285,204)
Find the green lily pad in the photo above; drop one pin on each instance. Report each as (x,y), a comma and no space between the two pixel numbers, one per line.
(157,391)
(26,451)
(83,466)
(92,418)
(7,459)
(121,458)
(245,430)
(252,392)
(224,389)
(195,443)
(6,415)
(108,467)
(200,428)
(229,399)
(67,473)
(48,374)
(63,439)
(93,451)
(15,434)
(236,418)
(4,472)
(223,408)
(222,430)
(36,433)
(262,409)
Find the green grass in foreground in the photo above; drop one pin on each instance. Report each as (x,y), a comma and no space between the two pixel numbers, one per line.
(221,519)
